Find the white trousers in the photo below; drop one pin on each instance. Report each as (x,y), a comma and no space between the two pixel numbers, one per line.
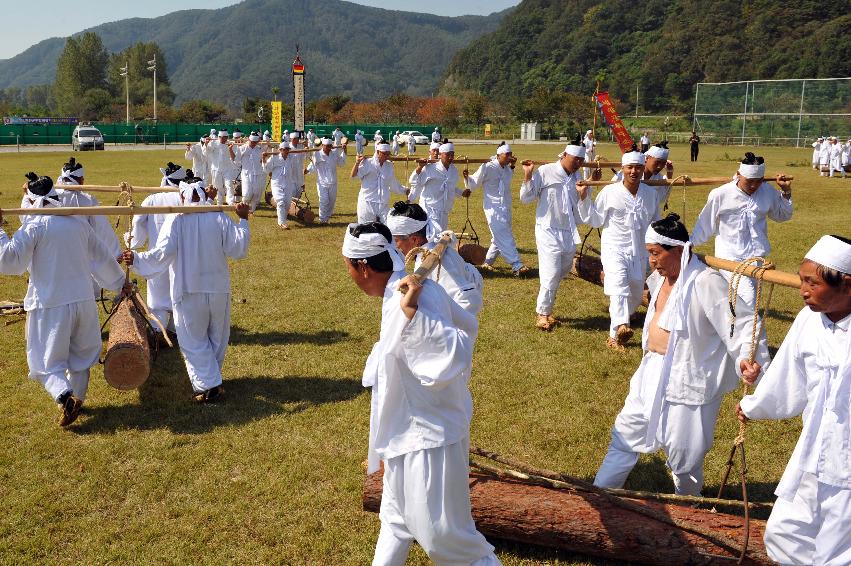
(159,299)
(502,238)
(836,165)
(203,330)
(426,496)
(624,291)
(685,434)
(555,259)
(327,200)
(224,183)
(252,188)
(283,195)
(62,344)
(814,528)
(371,211)
(438,221)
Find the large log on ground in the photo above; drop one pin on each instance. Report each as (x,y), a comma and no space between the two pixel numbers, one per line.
(588,523)
(128,355)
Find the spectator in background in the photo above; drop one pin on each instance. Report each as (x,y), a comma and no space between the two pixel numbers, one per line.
(694,142)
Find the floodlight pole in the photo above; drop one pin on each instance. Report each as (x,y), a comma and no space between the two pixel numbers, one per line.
(745,115)
(694,116)
(125,73)
(800,114)
(152,66)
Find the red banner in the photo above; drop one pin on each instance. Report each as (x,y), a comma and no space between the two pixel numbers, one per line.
(613,121)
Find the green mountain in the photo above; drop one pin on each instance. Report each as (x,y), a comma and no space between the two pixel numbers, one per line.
(665,46)
(244,50)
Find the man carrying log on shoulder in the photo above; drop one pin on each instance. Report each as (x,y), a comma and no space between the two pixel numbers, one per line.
(297,168)
(377,181)
(325,162)
(436,185)
(656,159)
(624,210)
(283,185)
(197,248)
(690,361)
(62,254)
(461,281)
(556,216)
(811,374)
(494,177)
(250,158)
(421,407)
(736,214)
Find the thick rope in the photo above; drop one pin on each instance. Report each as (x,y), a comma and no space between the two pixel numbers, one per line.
(426,252)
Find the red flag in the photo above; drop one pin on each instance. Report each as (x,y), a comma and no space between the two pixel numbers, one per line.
(613,121)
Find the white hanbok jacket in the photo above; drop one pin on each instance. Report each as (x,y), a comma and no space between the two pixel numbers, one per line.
(436,187)
(325,166)
(495,182)
(378,181)
(558,202)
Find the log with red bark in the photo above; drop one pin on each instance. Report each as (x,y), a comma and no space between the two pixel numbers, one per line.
(593,524)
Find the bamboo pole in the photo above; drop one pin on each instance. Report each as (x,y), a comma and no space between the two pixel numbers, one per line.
(115,189)
(771,275)
(114,210)
(680,182)
(430,260)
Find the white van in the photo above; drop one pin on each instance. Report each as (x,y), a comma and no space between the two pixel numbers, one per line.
(86,137)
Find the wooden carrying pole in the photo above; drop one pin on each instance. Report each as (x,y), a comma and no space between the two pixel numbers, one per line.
(770,275)
(589,164)
(114,210)
(115,189)
(680,182)
(431,259)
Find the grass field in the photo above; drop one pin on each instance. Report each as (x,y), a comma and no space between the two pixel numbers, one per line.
(273,474)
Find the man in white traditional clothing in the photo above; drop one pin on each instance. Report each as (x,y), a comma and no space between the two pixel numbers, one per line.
(311,137)
(62,254)
(296,169)
(590,152)
(337,136)
(736,214)
(816,151)
(835,157)
(412,144)
(461,281)
(377,137)
(249,156)
(197,248)
(195,153)
(394,147)
(435,136)
(278,166)
(146,229)
(494,177)
(434,150)
(656,159)
(421,407)
(624,210)
(267,136)
(324,163)
(846,157)
(645,143)
(690,362)
(223,171)
(360,142)
(377,182)
(556,218)
(811,374)
(436,185)
(824,157)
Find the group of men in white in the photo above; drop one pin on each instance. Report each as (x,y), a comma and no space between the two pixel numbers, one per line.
(420,367)
(830,154)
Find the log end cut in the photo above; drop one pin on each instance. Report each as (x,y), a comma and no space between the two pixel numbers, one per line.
(128,355)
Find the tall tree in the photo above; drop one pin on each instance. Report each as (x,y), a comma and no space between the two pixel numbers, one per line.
(81,67)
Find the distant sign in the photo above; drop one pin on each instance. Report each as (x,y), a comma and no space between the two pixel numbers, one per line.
(18,121)
(487,130)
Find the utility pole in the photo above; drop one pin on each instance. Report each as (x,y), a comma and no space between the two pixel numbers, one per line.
(125,73)
(152,66)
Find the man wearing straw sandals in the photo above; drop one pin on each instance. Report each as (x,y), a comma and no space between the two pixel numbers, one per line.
(325,162)
(656,159)
(436,186)
(420,409)
(62,254)
(377,182)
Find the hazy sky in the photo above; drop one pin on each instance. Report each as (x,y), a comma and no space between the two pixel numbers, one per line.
(31,21)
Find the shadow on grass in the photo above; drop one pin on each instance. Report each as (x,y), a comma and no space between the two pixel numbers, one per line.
(507,273)
(165,402)
(779,315)
(598,322)
(239,335)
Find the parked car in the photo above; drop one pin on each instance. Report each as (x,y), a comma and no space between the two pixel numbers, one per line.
(419,137)
(86,137)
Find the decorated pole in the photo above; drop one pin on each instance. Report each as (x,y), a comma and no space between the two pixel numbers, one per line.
(298,92)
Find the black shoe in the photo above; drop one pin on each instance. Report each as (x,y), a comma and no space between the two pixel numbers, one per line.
(211,395)
(71,407)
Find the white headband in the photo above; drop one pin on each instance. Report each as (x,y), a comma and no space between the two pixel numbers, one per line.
(178,175)
(632,158)
(370,245)
(50,200)
(382,147)
(326,141)
(404,226)
(504,148)
(831,252)
(434,145)
(294,136)
(654,237)
(676,312)
(752,171)
(189,189)
(284,145)
(223,134)
(253,137)
(575,150)
(213,131)
(75,173)
(446,148)
(657,152)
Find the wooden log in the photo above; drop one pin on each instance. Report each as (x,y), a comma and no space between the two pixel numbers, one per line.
(685,181)
(114,210)
(115,189)
(771,275)
(589,524)
(127,363)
